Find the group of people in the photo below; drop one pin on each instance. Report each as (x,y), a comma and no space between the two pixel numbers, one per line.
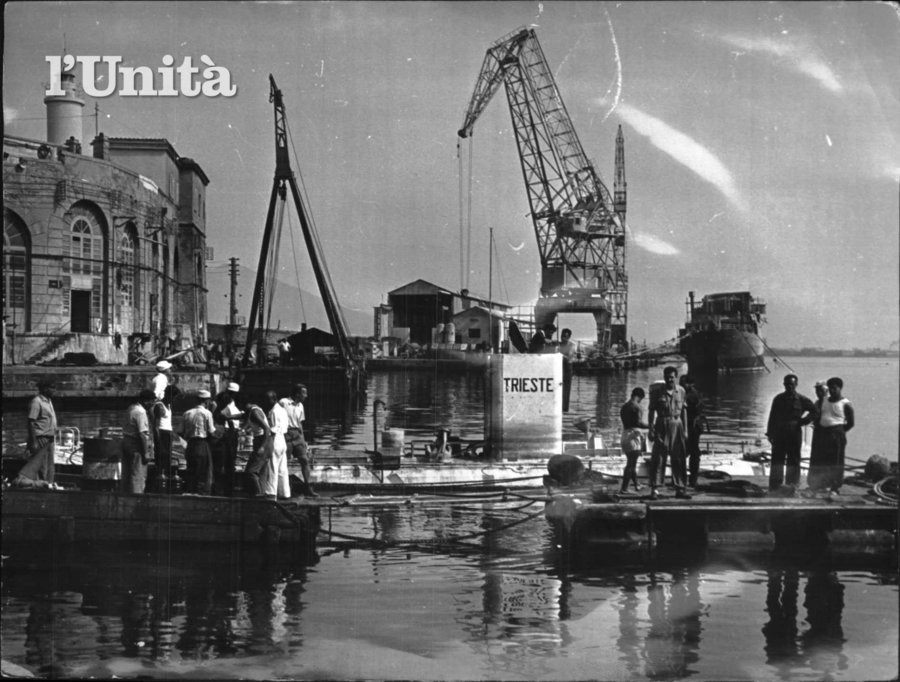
(676,421)
(211,429)
(831,415)
(541,343)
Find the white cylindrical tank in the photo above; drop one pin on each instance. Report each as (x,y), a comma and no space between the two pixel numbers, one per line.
(64,112)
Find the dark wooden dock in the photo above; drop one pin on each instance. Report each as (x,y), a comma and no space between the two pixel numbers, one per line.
(589,521)
(76,516)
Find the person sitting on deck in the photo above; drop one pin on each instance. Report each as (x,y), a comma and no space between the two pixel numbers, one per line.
(137,443)
(197,428)
(439,450)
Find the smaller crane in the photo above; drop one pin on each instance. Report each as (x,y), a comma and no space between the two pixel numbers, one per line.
(257,325)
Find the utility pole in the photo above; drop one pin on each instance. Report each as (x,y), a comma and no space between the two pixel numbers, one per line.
(232,309)
(233,273)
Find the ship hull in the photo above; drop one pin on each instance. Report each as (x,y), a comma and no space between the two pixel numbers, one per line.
(729,350)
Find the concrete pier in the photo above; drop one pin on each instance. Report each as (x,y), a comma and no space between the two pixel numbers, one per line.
(856,517)
(99,383)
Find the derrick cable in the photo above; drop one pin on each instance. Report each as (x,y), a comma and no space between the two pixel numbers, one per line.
(296,269)
(469,219)
(462,210)
(500,273)
(271,268)
(314,233)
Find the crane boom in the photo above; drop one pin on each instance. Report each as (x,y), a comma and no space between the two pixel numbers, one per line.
(580,234)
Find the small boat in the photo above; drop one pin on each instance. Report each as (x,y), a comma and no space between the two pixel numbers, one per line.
(722,333)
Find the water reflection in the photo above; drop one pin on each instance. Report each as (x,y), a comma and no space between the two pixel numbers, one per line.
(673,639)
(152,605)
(820,646)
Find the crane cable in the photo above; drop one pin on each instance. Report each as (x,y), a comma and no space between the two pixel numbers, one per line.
(469,221)
(462,211)
(296,270)
(314,233)
(272,268)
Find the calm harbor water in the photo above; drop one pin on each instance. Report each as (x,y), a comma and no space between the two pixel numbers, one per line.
(447,588)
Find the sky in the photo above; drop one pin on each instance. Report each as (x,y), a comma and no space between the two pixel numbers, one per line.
(762,142)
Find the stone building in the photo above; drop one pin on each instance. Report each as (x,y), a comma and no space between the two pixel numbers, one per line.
(103,251)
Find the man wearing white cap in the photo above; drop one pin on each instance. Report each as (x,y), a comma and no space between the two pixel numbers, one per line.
(162,378)
(228,416)
(197,428)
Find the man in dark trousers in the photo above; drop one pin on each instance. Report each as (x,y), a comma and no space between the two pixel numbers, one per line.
(227,416)
(693,405)
(790,412)
(40,466)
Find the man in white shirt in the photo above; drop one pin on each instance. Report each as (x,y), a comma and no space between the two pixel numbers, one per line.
(296,442)
(162,378)
(276,483)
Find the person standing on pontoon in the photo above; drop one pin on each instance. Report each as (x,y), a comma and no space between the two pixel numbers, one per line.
(137,443)
(789,413)
(162,378)
(161,425)
(41,445)
(632,437)
(836,417)
(296,441)
(568,350)
(197,429)
(667,428)
(276,484)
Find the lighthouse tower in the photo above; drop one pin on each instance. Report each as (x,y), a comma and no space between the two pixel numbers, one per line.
(64,112)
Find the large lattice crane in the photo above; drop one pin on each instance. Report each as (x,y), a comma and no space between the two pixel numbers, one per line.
(580,230)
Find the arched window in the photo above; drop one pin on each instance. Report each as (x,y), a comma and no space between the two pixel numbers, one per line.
(126,278)
(83,295)
(86,247)
(16,279)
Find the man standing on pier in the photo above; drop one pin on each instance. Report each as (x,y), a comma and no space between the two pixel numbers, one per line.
(161,378)
(41,439)
(228,415)
(137,443)
(666,416)
(790,412)
(197,428)
(296,441)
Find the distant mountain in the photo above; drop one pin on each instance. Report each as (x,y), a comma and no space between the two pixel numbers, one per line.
(291,307)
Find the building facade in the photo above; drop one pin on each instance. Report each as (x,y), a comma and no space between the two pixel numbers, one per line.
(103,252)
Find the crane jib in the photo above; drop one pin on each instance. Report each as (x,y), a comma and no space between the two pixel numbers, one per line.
(570,207)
